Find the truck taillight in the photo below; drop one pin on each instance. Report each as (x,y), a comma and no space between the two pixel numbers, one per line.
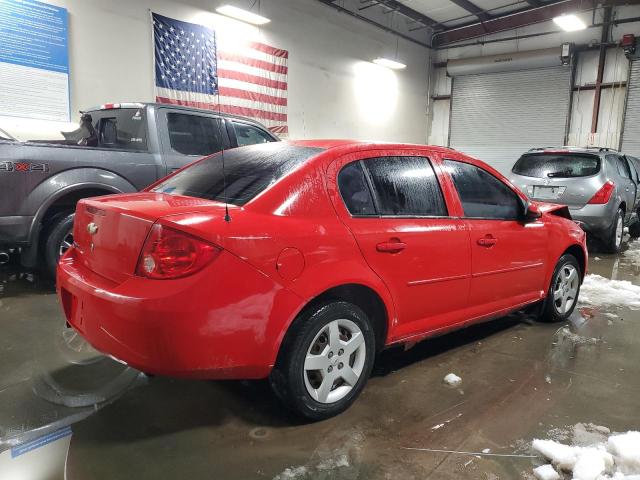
(603,195)
(169,253)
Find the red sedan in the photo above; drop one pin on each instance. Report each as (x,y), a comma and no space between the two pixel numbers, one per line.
(300,261)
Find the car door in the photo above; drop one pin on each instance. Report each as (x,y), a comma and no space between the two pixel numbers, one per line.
(187,136)
(634,164)
(627,189)
(394,205)
(508,256)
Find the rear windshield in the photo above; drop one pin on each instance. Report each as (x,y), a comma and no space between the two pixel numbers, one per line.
(248,171)
(557,165)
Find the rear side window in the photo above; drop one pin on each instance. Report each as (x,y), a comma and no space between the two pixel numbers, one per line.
(194,134)
(483,195)
(250,135)
(634,163)
(621,165)
(405,186)
(248,172)
(559,165)
(355,190)
(120,128)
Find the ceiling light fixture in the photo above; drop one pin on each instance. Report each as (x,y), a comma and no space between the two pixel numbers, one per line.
(385,62)
(242,15)
(569,23)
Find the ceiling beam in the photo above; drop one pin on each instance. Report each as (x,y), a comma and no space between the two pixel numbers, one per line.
(473,9)
(518,19)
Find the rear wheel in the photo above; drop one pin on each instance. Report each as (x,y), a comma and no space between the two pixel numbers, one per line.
(562,296)
(325,361)
(58,240)
(613,241)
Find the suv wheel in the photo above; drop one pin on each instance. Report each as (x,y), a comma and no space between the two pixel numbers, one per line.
(613,241)
(562,296)
(325,360)
(59,239)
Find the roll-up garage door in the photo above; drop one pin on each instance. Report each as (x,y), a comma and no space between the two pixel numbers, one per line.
(498,116)
(631,134)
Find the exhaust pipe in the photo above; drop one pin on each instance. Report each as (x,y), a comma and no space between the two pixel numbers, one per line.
(4,257)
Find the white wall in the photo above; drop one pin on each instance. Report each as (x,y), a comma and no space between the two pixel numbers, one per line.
(616,68)
(333,89)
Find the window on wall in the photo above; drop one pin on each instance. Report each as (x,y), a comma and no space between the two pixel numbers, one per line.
(483,195)
(194,134)
(405,186)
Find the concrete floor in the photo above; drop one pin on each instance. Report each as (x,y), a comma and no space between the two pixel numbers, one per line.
(521,380)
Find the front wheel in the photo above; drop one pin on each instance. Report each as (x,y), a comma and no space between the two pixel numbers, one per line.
(325,361)
(59,239)
(562,296)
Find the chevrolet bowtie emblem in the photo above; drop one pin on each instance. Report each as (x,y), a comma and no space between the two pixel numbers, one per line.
(92,228)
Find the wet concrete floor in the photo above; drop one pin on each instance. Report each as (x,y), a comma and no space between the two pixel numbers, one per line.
(520,380)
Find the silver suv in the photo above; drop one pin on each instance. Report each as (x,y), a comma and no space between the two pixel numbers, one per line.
(600,186)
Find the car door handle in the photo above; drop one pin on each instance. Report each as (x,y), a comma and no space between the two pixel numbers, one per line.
(391,247)
(487,241)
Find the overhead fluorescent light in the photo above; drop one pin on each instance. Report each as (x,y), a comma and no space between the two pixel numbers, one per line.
(385,62)
(243,15)
(569,23)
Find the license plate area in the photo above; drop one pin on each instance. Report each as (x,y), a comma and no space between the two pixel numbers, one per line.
(547,193)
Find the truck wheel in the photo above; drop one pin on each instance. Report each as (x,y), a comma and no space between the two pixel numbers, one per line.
(58,241)
(613,241)
(325,360)
(562,296)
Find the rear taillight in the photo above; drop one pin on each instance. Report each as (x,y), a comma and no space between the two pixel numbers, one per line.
(169,253)
(603,195)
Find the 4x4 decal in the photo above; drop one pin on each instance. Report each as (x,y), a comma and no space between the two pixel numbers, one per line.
(23,167)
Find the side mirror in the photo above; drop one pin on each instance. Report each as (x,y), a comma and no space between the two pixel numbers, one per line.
(532,212)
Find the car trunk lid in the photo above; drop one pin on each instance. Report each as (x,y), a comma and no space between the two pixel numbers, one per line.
(109,232)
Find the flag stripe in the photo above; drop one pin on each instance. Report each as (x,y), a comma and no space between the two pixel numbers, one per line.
(245,77)
(276,52)
(252,87)
(249,70)
(252,62)
(254,96)
(233,109)
(248,52)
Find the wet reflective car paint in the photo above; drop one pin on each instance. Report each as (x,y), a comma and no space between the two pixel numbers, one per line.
(287,246)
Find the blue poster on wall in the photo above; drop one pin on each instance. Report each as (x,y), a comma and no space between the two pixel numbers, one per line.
(34,60)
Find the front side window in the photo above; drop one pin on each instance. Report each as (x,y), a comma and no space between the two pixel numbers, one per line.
(483,195)
(194,134)
(405,186)
(249,135)
(355,191)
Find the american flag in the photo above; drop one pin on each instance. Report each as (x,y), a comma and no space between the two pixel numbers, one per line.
(195,67)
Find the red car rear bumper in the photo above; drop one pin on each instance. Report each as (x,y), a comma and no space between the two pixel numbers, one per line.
(226,321)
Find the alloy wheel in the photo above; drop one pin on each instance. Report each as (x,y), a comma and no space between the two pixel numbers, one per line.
(565,288)
(66,244)
(619,231)
(334,361)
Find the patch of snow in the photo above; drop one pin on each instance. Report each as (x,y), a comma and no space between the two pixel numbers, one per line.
(486,450)
(597,290)
(440,425)
(546,472)
(632,253)
(566,334)
(625,448)
(453,379)
(597,259)
(597,458)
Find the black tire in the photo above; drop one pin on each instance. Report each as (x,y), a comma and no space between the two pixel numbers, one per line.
(551,311)
(56,234)
(288,376)
(634,228)
(610,242)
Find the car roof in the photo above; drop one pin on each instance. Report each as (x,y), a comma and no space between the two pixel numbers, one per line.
(353,145)
(108,106)
(571,149)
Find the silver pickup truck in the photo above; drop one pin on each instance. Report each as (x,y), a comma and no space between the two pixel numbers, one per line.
(117,148)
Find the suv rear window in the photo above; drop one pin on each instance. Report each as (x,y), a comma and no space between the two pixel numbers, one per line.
(557,165)
(248,171)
